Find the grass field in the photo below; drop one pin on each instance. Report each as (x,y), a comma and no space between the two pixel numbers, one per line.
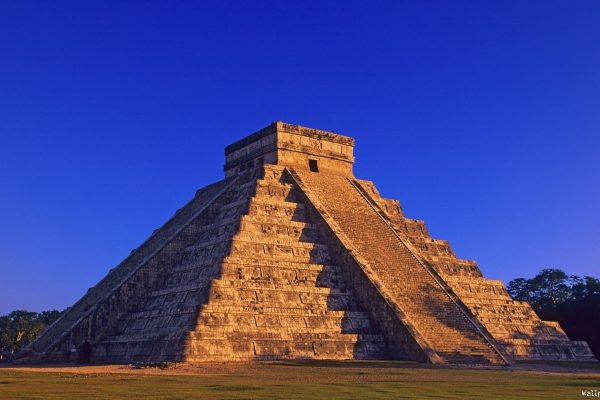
(299,380)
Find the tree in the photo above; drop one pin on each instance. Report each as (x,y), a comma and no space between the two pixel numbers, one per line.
(5,335)
(48,317)
(571,300)
(551,287)
(584,288)
(520,289)
(20,327)
(25,327)
(545,290)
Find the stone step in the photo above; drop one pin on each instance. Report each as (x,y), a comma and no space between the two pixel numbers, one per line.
(158,350)
(272,172)
(273,220)
(292,278)
(247,237)
(159,312)
(506,315)
(210,244)
(531,350)
(306,335)
(216,319)
(271,286)
(272,189)
(274,295)
(268,202)
(289,293)
(528,341)
(318,276)
(273,298)
(287,214)
(218,227)
(504,332)
(278,243)
(280,209)
(250,268)
(244,350)
(274,182)
(307,252)
(156,334)
(263,247)
(462,358)
(509,320)
(513,324)
(476,280)
(356,326)
(278,229)
(180,288)
(490,302)
(246,261)
(234,204)
(483,298)
(244,322)
(248,312)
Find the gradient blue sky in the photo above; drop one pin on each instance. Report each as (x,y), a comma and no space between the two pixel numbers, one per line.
(481,117)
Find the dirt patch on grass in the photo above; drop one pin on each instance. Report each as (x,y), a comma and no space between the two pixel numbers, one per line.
(317,371)
(312,380)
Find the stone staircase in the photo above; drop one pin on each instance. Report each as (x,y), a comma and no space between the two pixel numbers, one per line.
(514,325)
(442,323)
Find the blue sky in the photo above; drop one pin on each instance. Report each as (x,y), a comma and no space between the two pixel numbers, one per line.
(482,118)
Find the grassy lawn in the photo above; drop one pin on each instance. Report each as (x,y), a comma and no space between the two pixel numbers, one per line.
(339,380)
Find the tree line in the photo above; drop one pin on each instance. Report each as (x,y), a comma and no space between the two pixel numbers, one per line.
(571,300)
(20,327)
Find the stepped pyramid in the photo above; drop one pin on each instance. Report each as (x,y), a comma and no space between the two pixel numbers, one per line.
(292,257)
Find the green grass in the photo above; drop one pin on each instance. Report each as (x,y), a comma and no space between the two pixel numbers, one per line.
(341,380)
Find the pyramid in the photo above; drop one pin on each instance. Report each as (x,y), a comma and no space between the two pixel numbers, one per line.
(292,257)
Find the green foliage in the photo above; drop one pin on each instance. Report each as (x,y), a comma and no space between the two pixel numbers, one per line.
(20,327)
(552,287)
(547,289)
(585,288)
(519,289)
(48,317)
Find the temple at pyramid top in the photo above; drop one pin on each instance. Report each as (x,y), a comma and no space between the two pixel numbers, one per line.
(291,146)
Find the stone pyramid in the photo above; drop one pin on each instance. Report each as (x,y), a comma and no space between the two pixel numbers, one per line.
(292,257)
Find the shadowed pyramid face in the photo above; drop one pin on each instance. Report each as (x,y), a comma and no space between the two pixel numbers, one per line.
(292,146)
